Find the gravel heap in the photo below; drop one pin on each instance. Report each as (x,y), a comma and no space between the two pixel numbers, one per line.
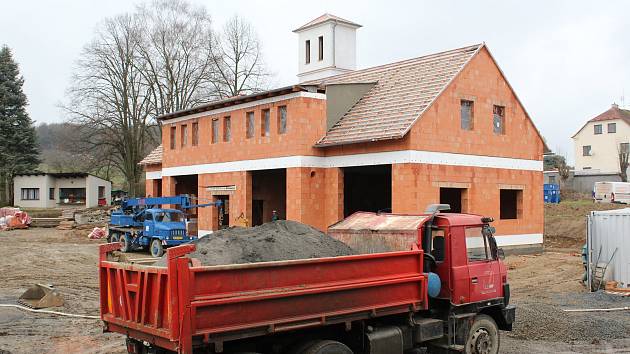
(547,321)
(273,241)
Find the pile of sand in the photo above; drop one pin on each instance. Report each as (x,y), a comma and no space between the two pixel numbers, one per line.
(273,241)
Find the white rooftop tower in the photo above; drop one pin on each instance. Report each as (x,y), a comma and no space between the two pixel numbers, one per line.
(326,47)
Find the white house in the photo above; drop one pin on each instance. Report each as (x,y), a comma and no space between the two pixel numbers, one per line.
(598,143)
(50,190)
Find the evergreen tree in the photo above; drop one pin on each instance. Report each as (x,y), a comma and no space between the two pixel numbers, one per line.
(18,143)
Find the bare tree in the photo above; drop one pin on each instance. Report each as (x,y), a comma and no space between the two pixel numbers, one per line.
(238,62)
(564,170)
(623,152)
(162,58)
(110,99)
(176,52)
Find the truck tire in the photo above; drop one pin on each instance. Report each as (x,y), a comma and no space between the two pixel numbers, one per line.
(125,243)
(156,248)
(483,337)
(324,347)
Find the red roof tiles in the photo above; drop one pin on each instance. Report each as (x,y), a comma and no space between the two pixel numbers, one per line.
(403,91)
(154,157)
(613,113)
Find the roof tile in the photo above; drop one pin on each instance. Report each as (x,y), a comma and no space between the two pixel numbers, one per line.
(403,91)
(154,157)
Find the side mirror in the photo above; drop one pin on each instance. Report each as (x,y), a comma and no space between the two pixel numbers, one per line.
(500,254)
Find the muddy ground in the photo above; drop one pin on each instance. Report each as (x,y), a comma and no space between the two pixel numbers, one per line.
(541,287)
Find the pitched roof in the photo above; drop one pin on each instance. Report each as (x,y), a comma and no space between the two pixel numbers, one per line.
(403,91)
(324,18)
(613,113)
(154,157)
(231,101)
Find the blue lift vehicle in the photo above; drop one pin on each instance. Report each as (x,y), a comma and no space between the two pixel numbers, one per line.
(142,223)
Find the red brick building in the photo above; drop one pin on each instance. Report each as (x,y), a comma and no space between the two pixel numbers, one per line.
(441,128)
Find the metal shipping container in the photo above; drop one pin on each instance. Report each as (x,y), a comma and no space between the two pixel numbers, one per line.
(609,231)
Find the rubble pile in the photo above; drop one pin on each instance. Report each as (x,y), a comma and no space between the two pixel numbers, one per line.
(273,241)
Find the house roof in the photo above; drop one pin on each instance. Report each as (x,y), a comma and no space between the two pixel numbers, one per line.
(61,174)
(154,157)
(232,101)
(403,91)
(614,112)
(325,18)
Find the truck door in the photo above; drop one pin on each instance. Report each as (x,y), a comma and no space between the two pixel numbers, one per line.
(149,224)
(484,273)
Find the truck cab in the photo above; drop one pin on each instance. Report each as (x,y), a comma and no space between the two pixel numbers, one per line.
(462,253)
(467,259)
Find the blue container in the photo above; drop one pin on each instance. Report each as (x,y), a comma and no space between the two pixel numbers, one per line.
(551,193)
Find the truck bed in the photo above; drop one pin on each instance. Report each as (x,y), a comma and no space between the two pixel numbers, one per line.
(186,304)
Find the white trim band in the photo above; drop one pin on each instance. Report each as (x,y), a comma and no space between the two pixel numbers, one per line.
(518,240)
(154,175)
(314,95)
(378,158)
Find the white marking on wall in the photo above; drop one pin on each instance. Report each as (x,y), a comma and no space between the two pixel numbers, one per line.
(154,175)
(369,159)
(517,240)
(314,95)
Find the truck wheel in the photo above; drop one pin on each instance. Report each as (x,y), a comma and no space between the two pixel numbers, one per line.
(125,245)
(156,248)
(324,347)
(483,337)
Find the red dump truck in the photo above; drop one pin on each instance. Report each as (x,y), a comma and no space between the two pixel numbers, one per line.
(431,282)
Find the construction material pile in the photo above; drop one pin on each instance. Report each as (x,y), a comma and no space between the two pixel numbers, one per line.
(13,218)
(92,216)
(273,241)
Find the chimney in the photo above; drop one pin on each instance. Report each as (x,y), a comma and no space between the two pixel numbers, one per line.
(615,106)
(326,47)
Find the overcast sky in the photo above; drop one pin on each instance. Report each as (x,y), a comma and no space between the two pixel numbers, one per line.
(567,60)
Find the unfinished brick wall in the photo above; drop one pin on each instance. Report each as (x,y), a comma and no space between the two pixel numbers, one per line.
(240,199)
(306,123)
(306,196)
(414,186)
(150,186)
(439,129)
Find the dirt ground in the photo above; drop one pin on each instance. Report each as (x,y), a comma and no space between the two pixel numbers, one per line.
(565,223)
(51,256)
(542,285)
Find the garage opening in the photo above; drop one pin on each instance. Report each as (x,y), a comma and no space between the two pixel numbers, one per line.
(511,201)
(367,188)
(268,194)
(455,197)
(187,185)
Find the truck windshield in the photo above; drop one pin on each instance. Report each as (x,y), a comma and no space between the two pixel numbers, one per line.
(477,246)
(167,216)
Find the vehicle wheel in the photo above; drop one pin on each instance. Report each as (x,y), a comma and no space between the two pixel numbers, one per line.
(483,337)
(125,244)
(114,237)
(156,248)
(324,347)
